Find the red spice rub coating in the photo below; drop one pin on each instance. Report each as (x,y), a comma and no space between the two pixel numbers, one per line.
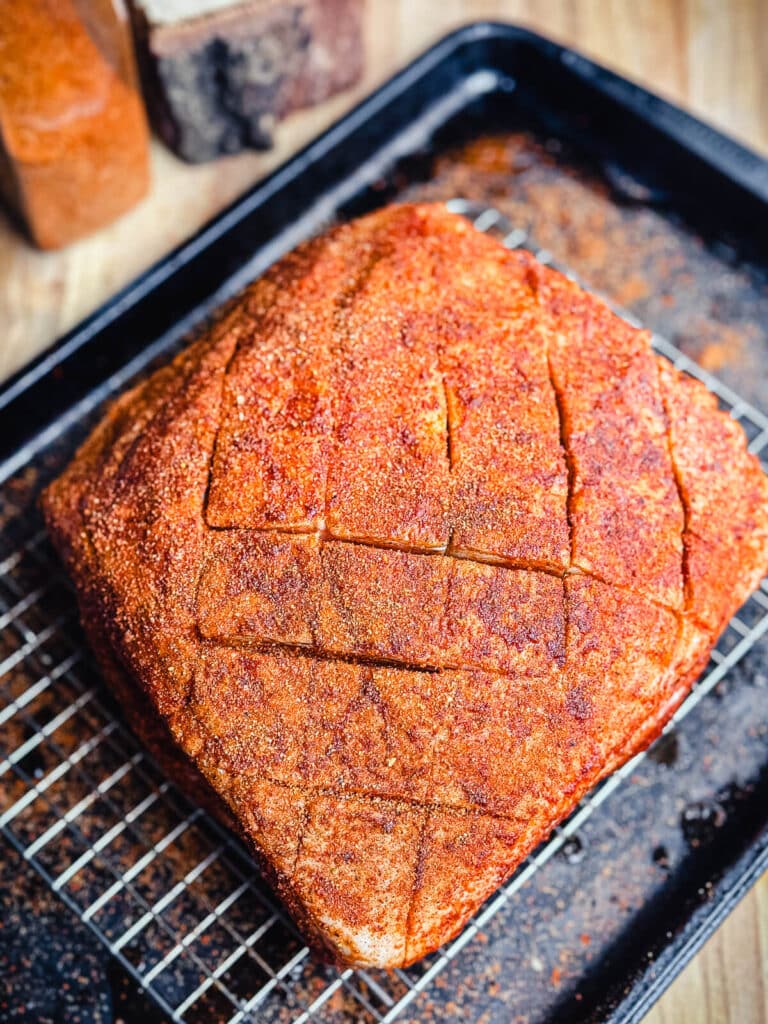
(418,544)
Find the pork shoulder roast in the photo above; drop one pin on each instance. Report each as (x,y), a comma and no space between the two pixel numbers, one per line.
(417,544)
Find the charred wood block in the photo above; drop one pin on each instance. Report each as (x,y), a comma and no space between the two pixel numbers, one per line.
(218,75)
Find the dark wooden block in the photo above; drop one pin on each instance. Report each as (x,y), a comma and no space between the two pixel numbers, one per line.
(218,75)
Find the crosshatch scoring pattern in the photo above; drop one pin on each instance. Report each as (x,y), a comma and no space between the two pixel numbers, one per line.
(169,892)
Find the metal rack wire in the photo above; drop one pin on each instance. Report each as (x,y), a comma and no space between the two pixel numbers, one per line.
(170,893)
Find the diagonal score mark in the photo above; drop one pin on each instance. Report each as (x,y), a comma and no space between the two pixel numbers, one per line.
(476,558)
(570,468)
(237,332)
(325,654)
(450,449)
(449,426)
(418,875)
(685,507)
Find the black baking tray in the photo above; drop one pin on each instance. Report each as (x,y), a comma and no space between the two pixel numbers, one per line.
(712,196)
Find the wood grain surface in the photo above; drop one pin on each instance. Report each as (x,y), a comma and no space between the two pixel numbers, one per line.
(708,55)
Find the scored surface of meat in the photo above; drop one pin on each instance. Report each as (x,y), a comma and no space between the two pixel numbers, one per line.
(390,568)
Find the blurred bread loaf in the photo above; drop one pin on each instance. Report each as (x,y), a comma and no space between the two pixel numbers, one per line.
(73,136)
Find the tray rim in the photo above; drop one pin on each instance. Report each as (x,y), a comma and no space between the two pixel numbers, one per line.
(731,159)
(731,888)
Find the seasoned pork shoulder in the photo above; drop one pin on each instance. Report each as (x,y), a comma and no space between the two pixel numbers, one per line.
(391,567)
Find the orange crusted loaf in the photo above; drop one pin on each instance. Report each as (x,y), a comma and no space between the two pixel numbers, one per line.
(390,568)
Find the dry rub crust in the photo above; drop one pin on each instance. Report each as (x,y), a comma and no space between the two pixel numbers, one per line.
(419,543)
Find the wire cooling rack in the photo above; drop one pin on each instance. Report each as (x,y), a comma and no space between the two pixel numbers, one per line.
(170,893)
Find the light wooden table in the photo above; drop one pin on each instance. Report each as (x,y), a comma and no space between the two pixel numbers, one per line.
(708,55)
